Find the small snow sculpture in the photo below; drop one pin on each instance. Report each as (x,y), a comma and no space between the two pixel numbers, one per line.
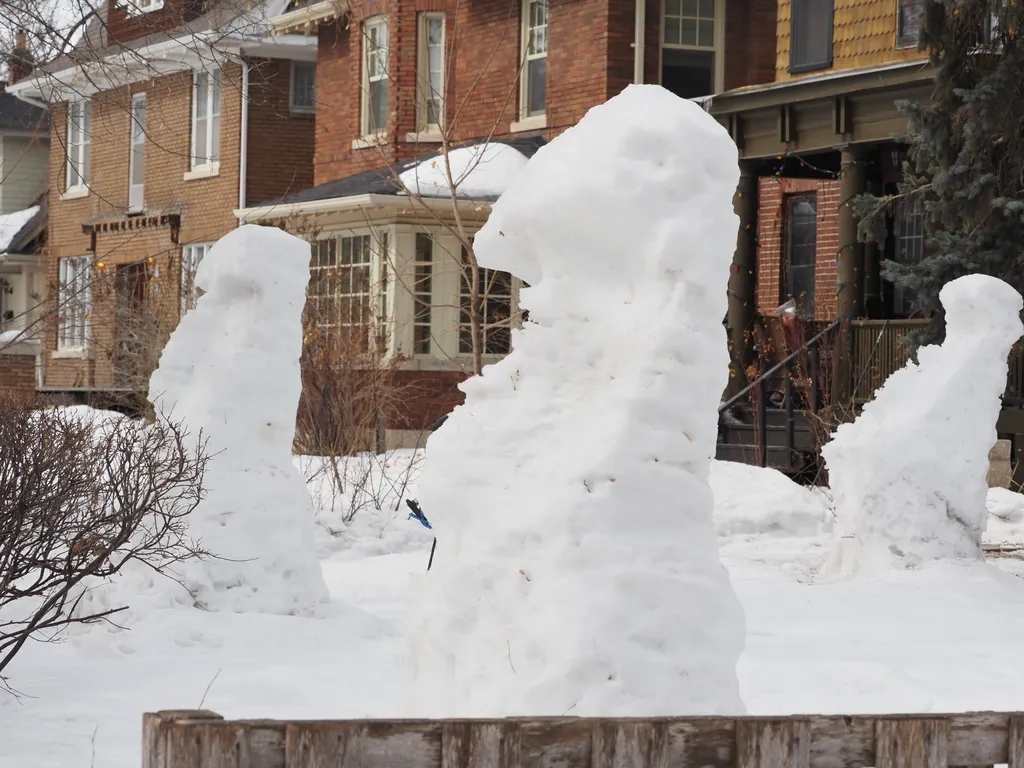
(908,476)
(231,369)
(577,568)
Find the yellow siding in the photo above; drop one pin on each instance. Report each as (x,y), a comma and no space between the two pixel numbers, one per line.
(864,36)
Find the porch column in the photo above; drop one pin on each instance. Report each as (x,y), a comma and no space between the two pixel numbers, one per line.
(743,279)
(850,270)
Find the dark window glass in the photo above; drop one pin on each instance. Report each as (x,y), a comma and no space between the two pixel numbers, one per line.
(810,30)
(801,252)
(909,30)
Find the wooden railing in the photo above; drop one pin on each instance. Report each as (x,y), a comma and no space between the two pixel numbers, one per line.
(199,739)
(878,350)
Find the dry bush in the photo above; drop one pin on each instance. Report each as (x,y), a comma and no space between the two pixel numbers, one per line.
(81,497)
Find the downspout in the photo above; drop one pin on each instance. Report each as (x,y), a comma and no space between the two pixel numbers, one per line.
(639,24)
(243,161)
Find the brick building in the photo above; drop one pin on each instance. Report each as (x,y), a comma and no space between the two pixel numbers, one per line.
(168,116)
(397,79)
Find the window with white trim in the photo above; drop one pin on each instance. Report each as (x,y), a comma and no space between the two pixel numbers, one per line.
(73,298)
(690,58)
(423,295)
(375,76)
(79,132)
(347,292)
(534,78)
(431,75)
(495,303)
(303,90)
(206,119)
(191,257)
(137,155)
(909,236)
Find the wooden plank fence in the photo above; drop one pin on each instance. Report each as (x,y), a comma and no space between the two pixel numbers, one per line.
(201,739)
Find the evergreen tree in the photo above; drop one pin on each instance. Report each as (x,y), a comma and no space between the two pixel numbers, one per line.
(965,165)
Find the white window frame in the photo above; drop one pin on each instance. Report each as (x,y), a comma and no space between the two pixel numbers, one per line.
(294,104)
(192,256)
(366,120)
(718,50)
(137,154)
(426,89)
(379,295)
(422,291)
(527,57)
(140,7)
(79,139)
(446,290)
(74,298)
(210,162)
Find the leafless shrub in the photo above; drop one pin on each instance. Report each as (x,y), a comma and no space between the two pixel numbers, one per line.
(81,498)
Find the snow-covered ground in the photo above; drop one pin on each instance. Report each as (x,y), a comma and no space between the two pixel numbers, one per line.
(941,638)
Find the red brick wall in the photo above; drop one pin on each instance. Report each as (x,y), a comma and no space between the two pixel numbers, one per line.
(483,43)
(426,397)
(123,27)
(771,242)
(17,372)
(749,42)
(280,141)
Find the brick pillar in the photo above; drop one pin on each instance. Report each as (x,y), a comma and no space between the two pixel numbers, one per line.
(850,271)
(743,280)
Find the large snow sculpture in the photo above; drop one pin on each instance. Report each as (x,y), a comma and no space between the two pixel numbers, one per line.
(908,476)
(577,568)
(231,369)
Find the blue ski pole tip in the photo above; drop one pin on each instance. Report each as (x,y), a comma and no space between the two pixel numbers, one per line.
(417,513)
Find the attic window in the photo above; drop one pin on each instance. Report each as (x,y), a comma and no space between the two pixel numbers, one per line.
(139,7)
(908,33)
(810,32)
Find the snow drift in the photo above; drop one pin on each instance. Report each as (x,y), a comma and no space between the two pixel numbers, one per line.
(908,476)
(231,370)
(577,567)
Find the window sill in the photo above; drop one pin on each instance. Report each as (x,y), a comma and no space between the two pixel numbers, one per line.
(535,123)
(369,142)
(203,172)
(424,137)
(301,110)
(802,69)
(75,193)
(70,354)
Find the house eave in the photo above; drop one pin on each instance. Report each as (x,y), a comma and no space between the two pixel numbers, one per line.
(305,20)
(391,203)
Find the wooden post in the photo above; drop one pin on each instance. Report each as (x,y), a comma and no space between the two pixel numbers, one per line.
(850,270)
(161,745)
(742,281)
(911,743)
(773,744)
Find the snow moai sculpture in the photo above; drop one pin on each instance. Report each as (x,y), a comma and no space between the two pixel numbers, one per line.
(577,568)
(908,477)
(231,370)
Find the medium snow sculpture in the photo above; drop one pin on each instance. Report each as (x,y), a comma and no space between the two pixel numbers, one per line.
(231,369)
(577,568)
(908,476)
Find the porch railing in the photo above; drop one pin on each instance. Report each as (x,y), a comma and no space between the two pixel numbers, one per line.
(879,350)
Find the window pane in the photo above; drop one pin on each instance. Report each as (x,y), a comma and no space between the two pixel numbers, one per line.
(801,253)
(706,34)
(215,138)
(537,74)
(215,92)
(202,148)
(434,31)
(378,105)
(672,28)
(707,9)
(202,94)
(811,32)
(689,31)
(690,8)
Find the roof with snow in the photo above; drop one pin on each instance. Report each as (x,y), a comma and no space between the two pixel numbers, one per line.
(18,229)
(382,181)
(17,115)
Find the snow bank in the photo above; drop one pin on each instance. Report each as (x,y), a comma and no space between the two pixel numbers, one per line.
(231,370)
(908,476)
(753,501)
(479,171)
(577,567)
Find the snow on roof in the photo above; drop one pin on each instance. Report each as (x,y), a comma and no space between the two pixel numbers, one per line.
(481,170)
(12,223)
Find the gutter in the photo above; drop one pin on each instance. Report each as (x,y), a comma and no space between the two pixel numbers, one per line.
(639,37)
(305,19)
(243,160)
